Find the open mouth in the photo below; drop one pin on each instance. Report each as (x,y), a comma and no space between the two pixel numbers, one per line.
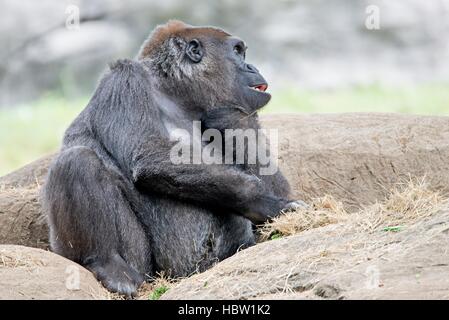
(260,87)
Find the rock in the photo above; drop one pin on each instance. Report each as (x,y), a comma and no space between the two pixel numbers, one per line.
(21,218)
(354,157)
(29,176)
(29,273)
(333,262)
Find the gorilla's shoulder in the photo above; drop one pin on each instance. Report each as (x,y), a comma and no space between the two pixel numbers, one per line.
(126,66)
(122,64)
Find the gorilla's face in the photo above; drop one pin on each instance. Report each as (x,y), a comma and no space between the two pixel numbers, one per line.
(250,86)
(204,68)
(223,72)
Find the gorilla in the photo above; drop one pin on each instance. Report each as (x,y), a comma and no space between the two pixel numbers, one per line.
(119,206)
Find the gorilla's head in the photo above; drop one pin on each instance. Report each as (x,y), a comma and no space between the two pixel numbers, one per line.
(204,67)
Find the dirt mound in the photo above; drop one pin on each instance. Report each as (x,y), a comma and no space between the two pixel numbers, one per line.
(347,245)
(355,158)
(391,250)
(29,273)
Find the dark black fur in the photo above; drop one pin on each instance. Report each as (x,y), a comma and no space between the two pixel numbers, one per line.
(117,205)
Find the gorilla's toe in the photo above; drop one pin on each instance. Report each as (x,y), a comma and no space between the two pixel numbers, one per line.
(117,276)
(121,286)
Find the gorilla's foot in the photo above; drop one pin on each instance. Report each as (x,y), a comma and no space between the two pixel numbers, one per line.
(117,275)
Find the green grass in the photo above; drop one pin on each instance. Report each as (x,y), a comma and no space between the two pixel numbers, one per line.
(393,229)
(275,236)
(424,99)
(30,131)
(158,292)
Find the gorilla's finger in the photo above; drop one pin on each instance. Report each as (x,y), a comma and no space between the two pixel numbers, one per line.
(295,205)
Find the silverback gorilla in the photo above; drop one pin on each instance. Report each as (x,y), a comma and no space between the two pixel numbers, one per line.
(117,205)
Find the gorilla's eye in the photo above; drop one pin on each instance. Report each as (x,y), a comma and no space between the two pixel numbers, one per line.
(239,49)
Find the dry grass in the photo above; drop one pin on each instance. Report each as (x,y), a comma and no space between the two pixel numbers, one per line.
(323,211)
(153,290)
(406,204)
(12,260)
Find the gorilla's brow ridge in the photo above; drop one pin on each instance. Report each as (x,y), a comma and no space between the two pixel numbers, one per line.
(175,28)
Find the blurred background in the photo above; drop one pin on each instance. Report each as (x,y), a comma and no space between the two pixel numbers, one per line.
(317,55)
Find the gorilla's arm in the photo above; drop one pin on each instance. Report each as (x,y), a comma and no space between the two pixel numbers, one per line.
(219,186)
(127,122)
(237,117)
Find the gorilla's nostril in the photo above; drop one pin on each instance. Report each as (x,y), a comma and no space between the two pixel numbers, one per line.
(251,68)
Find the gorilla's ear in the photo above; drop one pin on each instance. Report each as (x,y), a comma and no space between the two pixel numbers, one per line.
(194,51)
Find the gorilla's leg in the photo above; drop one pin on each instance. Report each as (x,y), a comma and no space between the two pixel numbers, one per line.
(187,238)
(90,210)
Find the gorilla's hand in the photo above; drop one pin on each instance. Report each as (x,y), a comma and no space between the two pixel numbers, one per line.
(295,205)
(267,207)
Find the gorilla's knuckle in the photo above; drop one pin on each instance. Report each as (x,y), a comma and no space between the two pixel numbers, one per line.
(295,205)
